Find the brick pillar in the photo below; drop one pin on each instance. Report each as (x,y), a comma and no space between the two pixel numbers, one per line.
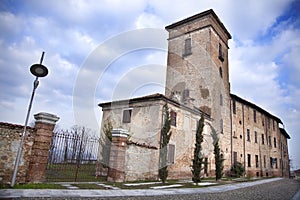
(118,147)
(44,126)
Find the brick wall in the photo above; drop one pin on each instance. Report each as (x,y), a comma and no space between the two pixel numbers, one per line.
(32,166)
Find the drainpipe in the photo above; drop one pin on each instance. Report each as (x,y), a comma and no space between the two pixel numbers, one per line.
(244,142)
(260,157)
(160,137)
(231,149)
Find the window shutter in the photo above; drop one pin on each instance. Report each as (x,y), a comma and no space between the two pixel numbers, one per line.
(173,116)
(187,47)
(127,116)
(171,153)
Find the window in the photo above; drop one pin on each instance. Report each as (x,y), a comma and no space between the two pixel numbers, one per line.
(254,115)
(221,125)
(274,142)
(264,161)
(234,158)
(255,136)
(221,100)
(221,56)
(273,125)
(127,116)
(249,160)
(271,162)
(221,72)
(171,153)
(186,94)
(270,141)
(173,118)
(269,122)
(248,135)
(256,161)
(187,47)
(262,139)
(234,134)
(233,107)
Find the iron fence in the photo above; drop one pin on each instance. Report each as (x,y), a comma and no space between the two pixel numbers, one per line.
(72,156)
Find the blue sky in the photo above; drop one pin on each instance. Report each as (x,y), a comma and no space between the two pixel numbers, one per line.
(264,55)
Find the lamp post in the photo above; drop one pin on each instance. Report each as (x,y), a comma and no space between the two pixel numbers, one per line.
(38,70)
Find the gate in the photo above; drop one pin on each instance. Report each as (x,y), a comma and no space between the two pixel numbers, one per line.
(72,156)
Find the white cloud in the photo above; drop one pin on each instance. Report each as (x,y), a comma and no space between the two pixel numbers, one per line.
(263,52)
(147,20)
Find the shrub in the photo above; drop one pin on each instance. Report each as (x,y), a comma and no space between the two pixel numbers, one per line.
(237,170)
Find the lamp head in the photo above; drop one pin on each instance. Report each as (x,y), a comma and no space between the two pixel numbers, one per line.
(39,70)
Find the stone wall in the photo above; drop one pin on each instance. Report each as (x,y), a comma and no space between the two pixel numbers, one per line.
(10,137)
(141,162)
(32,166)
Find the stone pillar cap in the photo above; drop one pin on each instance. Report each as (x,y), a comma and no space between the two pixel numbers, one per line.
(46,118)
(118,132)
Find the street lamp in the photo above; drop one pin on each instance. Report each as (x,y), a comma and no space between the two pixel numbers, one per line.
(38,70)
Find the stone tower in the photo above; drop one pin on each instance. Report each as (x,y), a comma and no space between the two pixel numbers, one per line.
(197,70)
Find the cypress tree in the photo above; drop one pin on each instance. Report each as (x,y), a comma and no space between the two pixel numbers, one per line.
(164,141)
(218,161)
(198,158)
(218,157)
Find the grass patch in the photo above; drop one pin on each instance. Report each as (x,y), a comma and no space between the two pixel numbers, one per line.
(71,172)
(90,186)
(34,186)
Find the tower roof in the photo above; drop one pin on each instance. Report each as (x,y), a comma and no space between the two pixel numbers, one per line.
(200,15)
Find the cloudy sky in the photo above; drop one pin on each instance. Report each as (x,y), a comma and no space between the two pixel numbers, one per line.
(99,50)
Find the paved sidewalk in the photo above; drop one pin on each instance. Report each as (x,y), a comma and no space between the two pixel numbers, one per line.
(17,193)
